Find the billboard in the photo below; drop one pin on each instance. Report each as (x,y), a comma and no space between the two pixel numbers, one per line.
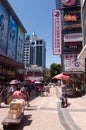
(20,43)
(3,28)
(71,63)
(12,38)
(73,37)
(72,47)
(72,19)
(56,32)
(68,2)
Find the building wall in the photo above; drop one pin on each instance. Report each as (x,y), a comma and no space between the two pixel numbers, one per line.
(72,37)
(35,51)
(84,20)
(11,41)
(11,33)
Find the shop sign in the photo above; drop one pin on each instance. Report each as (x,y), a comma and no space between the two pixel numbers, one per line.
(71,63)
(73,37)
(56,32)
(68,2)
(72,47)
(72,18)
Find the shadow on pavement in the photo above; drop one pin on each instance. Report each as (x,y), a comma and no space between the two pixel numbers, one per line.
(26,121)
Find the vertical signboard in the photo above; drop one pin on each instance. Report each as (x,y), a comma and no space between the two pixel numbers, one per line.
(56,32)
(3,28)
(12,38)
(20,43)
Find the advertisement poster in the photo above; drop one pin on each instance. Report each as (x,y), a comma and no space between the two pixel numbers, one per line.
(73,37)
(20,43)
(69,3)
(12,38)
(3,28)
(71,63)
(72,19)
(72,47)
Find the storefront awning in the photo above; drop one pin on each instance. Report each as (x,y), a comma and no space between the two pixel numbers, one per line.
(82,54)
(7,61)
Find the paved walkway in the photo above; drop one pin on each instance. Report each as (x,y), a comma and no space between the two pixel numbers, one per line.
(50,116)
(45,113)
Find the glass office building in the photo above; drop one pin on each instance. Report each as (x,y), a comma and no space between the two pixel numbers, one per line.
(35,51)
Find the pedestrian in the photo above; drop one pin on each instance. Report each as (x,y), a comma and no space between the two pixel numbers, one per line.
(40,89)
(24,90)
(46,88)
(11,89)
(37,91)
(29,90)
(4,92)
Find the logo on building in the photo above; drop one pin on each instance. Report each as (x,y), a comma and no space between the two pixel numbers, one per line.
(68,2)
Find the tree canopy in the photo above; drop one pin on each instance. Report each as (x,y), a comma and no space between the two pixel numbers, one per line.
(54,69)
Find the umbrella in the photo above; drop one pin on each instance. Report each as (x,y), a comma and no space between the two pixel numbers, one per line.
(14,81)
(37,82)
(61,76)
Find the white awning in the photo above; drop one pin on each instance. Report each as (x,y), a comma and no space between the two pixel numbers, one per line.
(82,54)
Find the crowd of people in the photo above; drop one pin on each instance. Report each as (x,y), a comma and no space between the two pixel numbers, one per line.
(10,91)
(42,88)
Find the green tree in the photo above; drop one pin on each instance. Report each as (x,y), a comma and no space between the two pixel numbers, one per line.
(55,69)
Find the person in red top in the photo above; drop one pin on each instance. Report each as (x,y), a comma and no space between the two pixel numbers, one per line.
(17,93)
(39,88)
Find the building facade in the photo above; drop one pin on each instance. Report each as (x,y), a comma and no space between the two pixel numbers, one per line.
(12,34)
(34,58)
(72,38)
(26,56)
(83,13)
(34,51)
(34,72)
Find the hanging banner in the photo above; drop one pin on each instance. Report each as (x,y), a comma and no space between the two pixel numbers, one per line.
(56,32)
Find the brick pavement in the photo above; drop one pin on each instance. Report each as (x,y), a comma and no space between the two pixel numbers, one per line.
(74,114)
(45,113)
(70,118)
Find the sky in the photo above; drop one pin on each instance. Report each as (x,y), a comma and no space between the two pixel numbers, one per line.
(36,16)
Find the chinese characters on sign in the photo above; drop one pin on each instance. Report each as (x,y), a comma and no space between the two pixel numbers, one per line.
(73,37)
(56,32)
(71,63)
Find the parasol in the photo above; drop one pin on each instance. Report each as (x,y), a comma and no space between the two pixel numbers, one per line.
(61,76)
(15,81)
(37,82)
